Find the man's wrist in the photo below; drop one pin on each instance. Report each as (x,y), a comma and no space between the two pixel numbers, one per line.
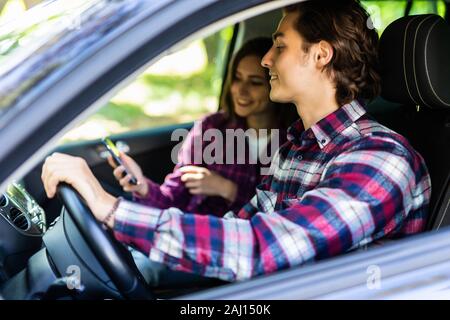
(109,219)
(103,207)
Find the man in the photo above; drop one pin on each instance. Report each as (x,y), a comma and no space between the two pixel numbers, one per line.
(341,182)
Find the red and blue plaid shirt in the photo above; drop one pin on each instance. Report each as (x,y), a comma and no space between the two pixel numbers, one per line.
(245,174)
(340,185)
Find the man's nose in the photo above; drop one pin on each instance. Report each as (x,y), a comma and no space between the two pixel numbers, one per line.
(266,61)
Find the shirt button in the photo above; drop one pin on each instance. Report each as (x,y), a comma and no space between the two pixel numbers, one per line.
(323,141)
(300,157)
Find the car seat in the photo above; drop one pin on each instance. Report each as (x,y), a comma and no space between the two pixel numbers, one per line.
(415,98)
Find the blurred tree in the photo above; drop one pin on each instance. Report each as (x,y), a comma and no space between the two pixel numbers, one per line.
(2,5)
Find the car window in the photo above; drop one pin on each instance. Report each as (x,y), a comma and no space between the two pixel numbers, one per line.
(384,12)
(45,42)
(179,88)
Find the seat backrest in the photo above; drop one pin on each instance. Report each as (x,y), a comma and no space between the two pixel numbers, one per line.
(415,70)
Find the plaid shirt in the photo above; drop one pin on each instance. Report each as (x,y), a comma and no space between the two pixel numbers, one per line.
(245,174)
(340,185)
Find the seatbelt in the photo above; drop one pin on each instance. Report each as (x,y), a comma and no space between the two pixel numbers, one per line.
(408,8)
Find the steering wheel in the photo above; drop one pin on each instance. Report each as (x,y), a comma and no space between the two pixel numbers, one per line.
(109,252)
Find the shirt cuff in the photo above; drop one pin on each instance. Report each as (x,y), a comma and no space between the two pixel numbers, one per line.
(134,224)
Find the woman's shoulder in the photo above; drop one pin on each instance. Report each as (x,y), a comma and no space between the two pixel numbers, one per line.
(214,120)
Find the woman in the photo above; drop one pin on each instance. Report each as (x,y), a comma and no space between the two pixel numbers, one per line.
(217,188)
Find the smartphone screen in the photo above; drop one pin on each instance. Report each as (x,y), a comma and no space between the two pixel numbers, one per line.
(112,150)
(111,147)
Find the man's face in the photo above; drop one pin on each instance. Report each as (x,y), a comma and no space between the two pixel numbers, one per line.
(293,73)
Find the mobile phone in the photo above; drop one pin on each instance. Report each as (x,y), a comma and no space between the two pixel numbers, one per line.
(111,147)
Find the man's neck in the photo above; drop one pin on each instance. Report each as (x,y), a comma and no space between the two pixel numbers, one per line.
(313,109)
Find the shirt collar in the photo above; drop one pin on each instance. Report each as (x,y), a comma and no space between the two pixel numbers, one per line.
(326,129)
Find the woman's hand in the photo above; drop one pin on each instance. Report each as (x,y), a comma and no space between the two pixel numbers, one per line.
(201,181)
(133,169)
(74,171)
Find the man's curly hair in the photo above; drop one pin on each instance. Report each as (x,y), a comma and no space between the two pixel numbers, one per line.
(345,25)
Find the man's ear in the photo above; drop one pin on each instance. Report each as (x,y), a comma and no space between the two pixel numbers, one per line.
(324,54)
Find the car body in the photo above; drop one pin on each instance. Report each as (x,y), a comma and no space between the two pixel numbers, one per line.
(111,46)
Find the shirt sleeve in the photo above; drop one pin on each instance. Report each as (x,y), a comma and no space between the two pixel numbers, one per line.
(173,193)
(251,207)
(364,194)
(243,193)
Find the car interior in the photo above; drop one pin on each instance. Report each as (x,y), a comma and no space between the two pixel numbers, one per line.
(415,102)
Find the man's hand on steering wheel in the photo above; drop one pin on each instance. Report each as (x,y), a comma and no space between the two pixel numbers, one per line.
(61,168)
(74,171)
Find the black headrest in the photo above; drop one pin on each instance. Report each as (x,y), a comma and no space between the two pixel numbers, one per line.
(415,61)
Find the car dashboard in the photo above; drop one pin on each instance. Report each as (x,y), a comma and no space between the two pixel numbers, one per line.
(22,225)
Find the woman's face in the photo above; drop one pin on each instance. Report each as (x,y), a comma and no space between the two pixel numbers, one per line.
(250,88)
